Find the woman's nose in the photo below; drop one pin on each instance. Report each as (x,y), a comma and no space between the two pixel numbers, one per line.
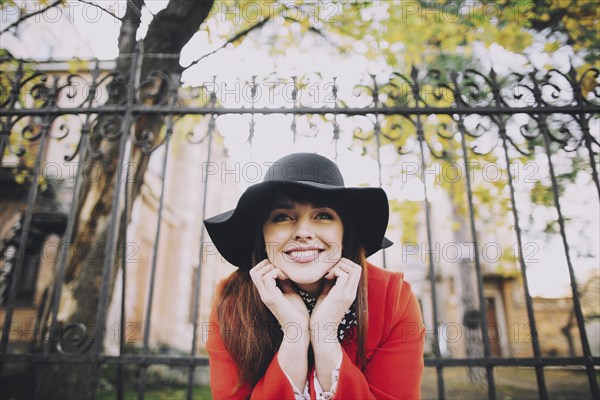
(303,230)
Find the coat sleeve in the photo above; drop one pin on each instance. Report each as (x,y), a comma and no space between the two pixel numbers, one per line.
(224,373)
(396,368)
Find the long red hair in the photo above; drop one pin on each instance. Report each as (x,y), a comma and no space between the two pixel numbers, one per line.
(249,330)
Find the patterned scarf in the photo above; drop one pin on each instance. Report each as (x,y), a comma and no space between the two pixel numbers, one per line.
(348,321)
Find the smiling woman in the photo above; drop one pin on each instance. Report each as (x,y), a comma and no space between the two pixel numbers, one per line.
(305,315)
(304,241)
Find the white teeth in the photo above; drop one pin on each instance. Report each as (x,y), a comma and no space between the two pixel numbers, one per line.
(303,253)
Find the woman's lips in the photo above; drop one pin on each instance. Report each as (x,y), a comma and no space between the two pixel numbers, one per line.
(302,256)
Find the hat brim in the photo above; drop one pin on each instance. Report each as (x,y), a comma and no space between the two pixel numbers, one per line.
(233,232)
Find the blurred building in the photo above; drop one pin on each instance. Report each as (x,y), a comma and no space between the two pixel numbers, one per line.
(32,39)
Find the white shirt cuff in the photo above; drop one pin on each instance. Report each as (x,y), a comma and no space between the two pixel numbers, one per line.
(298,395)
(321,395)
(335,374)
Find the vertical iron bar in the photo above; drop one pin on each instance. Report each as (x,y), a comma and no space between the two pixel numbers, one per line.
(482,308)
(294,126)
(378,140)
(588,144)
(14,96)
(148,319)
(123,227)
(377,132)
(209,131)
(539,371)
(585,346)
(583,122)
(31,199)
(252,124)
(336,127)
(4,135)
(112,228)
(196,307)
(431,274)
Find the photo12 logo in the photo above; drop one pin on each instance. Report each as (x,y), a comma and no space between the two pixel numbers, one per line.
(454,252)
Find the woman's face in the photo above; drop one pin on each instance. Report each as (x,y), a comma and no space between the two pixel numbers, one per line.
(304,241)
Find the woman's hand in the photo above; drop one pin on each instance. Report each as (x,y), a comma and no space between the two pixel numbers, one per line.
(283,301)
(339,292)
(291,313)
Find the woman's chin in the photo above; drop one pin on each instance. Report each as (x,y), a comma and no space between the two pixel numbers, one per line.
(307,276)
(305,281)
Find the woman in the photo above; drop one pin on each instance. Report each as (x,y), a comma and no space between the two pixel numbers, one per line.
(305,315)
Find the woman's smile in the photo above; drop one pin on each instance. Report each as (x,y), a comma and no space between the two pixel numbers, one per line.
(303,254)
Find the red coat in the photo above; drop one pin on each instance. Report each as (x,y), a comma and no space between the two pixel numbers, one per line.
(394,351)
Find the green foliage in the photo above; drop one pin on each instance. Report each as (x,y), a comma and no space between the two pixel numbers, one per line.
(506,264)
(541,195)
(576,20)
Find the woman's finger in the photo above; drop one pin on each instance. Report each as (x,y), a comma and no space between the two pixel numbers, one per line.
(330,275)
(260,278)
(350,265)
(267,287)
(348,276)
(258,268)
(271,274)
(354,270)
(341,276)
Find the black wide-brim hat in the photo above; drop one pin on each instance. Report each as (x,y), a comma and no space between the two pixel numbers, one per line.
(233,232)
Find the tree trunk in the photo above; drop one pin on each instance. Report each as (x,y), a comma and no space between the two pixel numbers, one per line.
(168,32)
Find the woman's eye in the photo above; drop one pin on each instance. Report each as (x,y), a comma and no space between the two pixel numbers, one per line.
(324,215)
(280,217)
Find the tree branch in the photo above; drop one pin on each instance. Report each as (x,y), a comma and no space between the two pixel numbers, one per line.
(102,8)
(314,30)
(27,16)
(237,37)
(311,28)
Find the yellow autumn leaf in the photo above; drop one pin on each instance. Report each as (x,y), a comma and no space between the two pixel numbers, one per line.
(514,39)
(75,65)
(20,177)
(588,82)
(456,226)
(551,47)
(43,184)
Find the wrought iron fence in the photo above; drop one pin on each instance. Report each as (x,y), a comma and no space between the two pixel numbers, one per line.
(428,114)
